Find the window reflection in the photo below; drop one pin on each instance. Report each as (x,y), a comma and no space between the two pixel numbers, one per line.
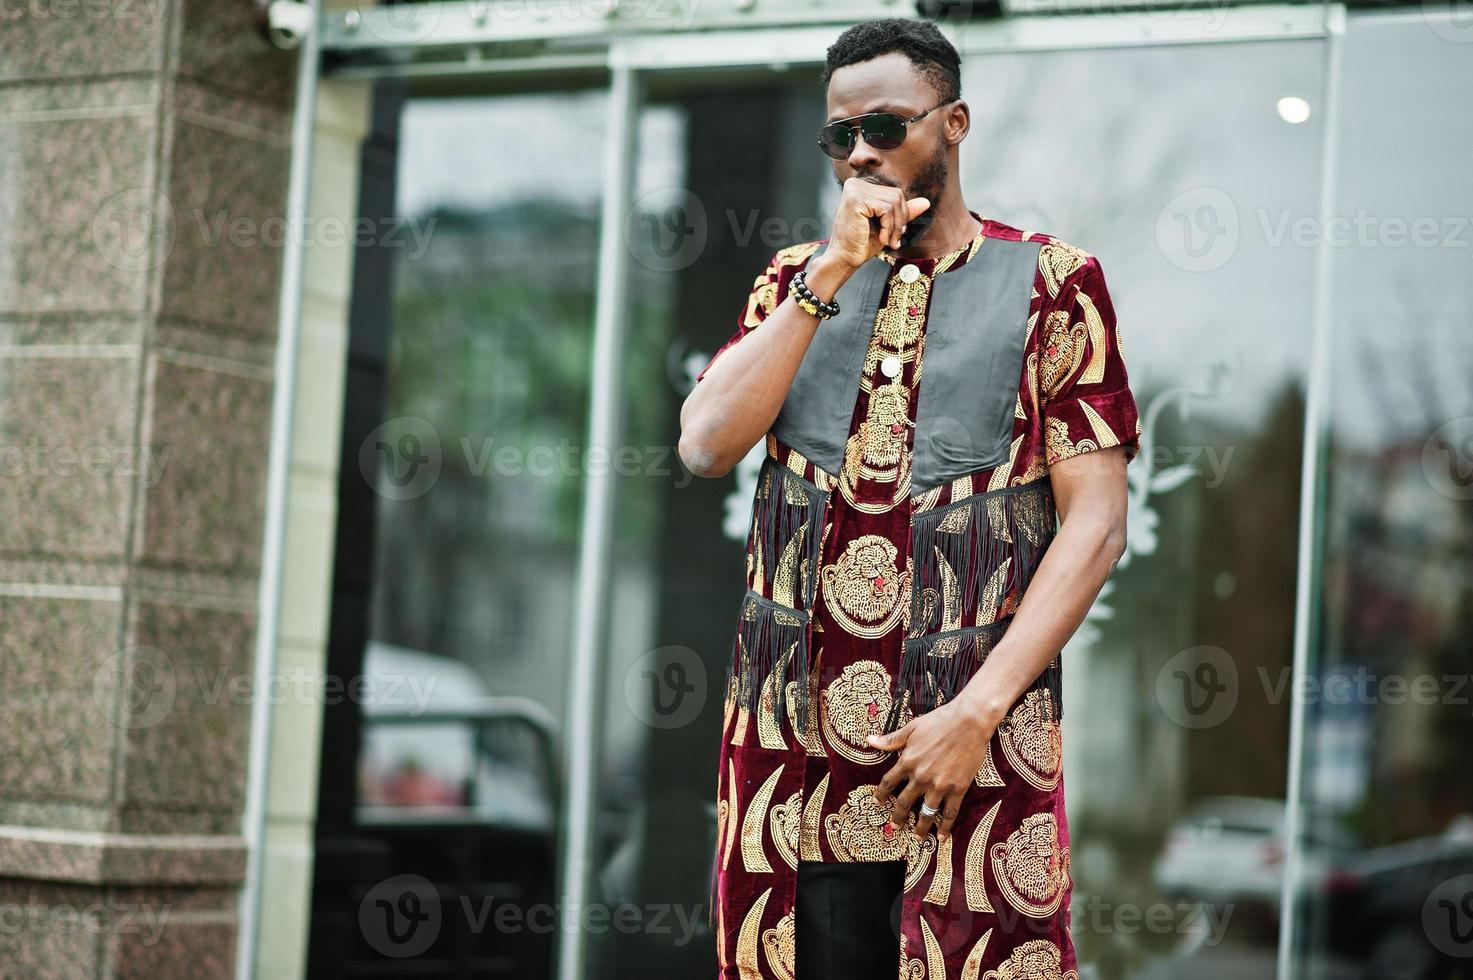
(1388,722)
(1177,734)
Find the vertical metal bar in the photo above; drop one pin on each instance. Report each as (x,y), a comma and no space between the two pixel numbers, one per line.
(278,471)
(586,679)
(1312,479)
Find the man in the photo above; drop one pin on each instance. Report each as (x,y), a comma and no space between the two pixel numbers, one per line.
(948,421)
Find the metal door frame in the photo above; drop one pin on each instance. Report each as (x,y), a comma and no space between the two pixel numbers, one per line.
(462,40)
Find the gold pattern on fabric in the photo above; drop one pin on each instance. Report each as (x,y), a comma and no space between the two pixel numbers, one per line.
(947,599)
(1057,438)
(731,812)
(1057,260)
(992,594)
(785,818)
(1094,371)
(940,891)
(764,296)
(754,858)
(864,591)
(1104,435)
(797,254)
(910,969)
(808,843)
(1031,870)
(747,966)
(779,942)
(875,449)
(812,742)
(785,578)
(898,323)
(723,812)
(975,865)
(935,959)
(972,968)
(1063,350)
(769,729)
(987,774)
(860,830)
(854,707)
(1037,959)
(743,722)
(1032,743)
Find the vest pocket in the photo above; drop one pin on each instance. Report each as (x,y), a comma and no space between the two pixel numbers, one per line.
(934,669)
(972,561)
(771,649)
(783,549)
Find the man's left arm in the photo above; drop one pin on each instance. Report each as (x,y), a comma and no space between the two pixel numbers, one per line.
(1092,432)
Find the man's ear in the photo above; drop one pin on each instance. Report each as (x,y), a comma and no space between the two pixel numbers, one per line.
(958,122)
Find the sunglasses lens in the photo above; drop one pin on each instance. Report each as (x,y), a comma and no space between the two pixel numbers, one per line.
(836,140)
(883,130)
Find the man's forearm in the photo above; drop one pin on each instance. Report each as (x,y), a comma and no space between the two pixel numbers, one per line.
(1059,595)
(739,398)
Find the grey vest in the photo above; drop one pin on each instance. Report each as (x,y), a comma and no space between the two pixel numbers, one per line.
(973,360)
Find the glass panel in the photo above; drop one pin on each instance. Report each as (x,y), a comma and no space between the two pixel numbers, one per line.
(1388,724)
(711,206)
(1178,174)
(478,509)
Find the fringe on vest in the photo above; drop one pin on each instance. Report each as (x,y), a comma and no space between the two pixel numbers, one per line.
(973,560)
(772,634)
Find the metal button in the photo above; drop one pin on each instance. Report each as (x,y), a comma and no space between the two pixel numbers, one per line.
(909,273)
(890,366)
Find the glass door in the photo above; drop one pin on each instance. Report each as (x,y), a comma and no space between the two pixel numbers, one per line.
(710,204)
(1180,175)
(458,552)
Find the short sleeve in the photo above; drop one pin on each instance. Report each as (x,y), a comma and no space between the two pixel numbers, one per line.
(1083,383)
(761,301)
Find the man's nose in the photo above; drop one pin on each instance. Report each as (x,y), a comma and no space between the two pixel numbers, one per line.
(862,156)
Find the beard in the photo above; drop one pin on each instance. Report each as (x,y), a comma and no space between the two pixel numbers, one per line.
(927,182)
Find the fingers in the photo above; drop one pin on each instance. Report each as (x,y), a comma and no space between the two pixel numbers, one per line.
(888,784)
(926,820)
(904,803)
(949,810)
(887,224)
(915,206)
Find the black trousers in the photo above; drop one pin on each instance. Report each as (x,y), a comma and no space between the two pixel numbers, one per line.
(848,920)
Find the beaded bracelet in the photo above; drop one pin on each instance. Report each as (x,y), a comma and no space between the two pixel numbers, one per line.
(798,289)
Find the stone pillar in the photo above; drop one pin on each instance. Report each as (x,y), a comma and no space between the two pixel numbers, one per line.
(144,150)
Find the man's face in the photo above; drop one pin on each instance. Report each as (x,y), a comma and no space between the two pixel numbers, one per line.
(892,83)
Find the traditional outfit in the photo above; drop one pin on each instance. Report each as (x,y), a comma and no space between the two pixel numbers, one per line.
(896,523)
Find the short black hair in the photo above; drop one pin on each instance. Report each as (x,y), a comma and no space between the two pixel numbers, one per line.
(919,40)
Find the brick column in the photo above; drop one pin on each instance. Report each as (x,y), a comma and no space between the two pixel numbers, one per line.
(144,148)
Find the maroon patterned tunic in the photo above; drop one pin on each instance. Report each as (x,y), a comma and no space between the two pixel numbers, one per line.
(887,612)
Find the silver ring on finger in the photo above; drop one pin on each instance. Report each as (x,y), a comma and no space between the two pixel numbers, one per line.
(928,810)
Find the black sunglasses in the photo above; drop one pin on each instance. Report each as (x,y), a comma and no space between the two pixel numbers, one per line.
(882,130)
